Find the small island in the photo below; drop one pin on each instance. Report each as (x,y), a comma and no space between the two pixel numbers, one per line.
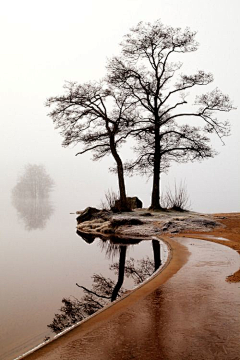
(144,223)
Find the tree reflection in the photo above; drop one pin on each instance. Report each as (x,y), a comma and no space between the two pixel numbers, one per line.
(121,266)
(34,212)
(104,290)
(156,254)
(111,245)
(30,197)
(138,270)
(75,310)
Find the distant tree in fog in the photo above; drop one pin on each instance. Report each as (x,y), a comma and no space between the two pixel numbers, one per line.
(34,183)
(30,197)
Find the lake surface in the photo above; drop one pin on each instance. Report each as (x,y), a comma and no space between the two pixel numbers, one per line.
(192,316)
(42,258)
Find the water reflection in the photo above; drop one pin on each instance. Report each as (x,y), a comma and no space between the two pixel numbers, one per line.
(30,197)
(34,212)
(105,290)
(156,253)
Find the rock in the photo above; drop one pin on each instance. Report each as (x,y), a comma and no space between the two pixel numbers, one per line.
(132,203)
(87,214)
(95,226)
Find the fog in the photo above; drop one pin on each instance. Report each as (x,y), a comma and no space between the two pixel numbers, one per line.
(45,43)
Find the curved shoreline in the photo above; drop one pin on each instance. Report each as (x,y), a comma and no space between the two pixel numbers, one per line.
(177,257)
(228,235)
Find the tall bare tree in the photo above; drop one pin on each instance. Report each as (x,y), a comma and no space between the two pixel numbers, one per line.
(97,117)
(177,143)
(146,72)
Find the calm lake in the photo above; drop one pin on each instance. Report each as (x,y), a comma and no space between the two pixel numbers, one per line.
(42,259)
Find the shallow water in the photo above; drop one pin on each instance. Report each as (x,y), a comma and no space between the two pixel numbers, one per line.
(41,260)
(194,315)
(215,237)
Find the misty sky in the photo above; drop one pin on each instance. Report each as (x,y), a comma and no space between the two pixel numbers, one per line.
(44,43)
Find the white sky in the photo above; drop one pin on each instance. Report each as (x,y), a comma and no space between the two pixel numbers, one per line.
(44,43)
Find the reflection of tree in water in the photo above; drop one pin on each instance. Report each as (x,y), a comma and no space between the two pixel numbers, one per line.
(30,197)
(138,270)
(75,310)
(34,212)
(104,289)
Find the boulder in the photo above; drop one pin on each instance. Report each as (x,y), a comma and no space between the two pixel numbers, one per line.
(132,203)
(87,214)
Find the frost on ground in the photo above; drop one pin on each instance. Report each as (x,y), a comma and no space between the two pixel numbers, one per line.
(142,223)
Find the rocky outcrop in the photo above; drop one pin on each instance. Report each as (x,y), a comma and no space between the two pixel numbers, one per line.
(101,226)
(134,202)
(140,223)
(96,226)
(87,214)
(91,213)
(176,225)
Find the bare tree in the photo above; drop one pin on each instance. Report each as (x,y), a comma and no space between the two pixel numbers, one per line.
(98,118)
(177,143)
(145,72)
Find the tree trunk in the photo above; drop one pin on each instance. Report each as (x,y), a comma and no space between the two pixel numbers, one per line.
(155,204)
(120,172)
(122,259)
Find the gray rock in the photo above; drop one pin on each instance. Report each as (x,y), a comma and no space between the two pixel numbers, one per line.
(87,214)
(132,203)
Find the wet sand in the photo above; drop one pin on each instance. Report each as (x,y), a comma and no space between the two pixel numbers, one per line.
(187,312)
(228,235)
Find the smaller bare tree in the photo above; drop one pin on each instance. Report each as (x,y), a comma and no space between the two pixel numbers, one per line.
(99,118)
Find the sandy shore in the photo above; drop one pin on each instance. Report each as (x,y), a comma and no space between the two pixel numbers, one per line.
(229,230)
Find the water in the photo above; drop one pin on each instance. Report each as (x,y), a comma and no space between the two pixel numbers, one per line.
(194,315)
(42,258)
(215,238)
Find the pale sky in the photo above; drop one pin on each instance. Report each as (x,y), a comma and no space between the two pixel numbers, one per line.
(44,43)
